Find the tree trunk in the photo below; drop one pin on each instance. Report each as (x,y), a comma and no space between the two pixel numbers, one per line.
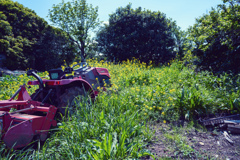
(83,56)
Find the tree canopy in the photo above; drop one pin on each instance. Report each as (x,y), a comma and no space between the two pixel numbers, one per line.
(27,41)
(143,34)
(216,38)
(26,38)
(77,18)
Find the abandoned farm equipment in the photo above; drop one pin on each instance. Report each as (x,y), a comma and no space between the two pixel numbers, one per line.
(25,117)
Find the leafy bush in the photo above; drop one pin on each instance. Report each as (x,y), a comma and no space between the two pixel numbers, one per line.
(216,38)
(143,34)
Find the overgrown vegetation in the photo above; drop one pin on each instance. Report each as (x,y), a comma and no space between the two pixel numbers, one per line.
(27,41)
(115,125)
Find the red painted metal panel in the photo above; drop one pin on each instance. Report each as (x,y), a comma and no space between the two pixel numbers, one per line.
(50,118)
(18,128)
(6,123)
(94,70)
(2,113)
(24,117)
(23,94)
(13,102)
(103,71)
(41,109)
(19,136)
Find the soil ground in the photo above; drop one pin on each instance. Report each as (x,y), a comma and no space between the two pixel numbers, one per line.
(171,142)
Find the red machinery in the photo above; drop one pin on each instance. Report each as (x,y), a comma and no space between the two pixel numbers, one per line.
(29,117)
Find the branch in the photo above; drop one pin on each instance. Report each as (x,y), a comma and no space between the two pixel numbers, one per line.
(72,39)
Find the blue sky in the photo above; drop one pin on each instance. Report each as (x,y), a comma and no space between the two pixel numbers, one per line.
(184,12)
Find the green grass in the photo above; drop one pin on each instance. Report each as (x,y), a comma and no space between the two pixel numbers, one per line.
(115,126)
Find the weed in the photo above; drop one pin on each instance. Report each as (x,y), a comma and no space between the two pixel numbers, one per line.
(115,126)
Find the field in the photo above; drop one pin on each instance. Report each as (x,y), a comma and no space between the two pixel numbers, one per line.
(122,121)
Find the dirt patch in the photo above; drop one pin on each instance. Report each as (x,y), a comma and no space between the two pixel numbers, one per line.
(171,142)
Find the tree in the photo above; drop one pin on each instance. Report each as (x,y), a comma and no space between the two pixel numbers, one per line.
(52,49)
(27,41)
(138,33)
(6,30)
(77,18)
(217,38)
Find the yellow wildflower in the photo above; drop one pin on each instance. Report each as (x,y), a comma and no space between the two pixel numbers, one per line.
(172,90)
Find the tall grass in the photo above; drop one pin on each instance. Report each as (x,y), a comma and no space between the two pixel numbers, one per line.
(115,127)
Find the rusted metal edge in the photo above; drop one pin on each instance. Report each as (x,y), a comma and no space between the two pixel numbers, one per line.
(219,120)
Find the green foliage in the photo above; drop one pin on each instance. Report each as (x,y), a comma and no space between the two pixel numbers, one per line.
(54,47)
(77,18)
(115,127)
(143,34)
(216,38)
(27,40)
